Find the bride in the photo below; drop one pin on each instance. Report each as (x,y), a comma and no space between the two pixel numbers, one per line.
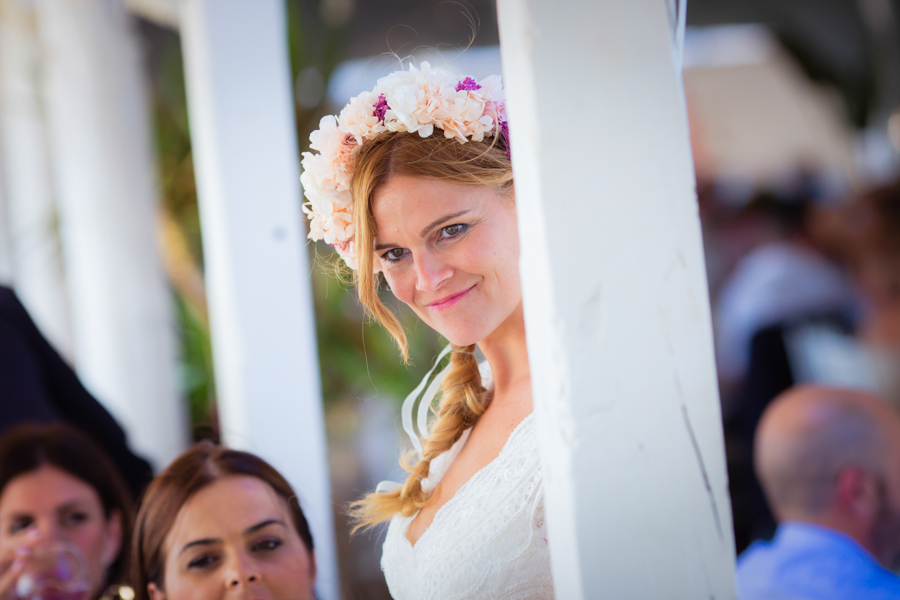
(412,183)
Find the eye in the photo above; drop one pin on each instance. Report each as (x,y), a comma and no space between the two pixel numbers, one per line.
(75,518)
(20,524)
(267,545)
(203,561)
(394,254)
(452,231)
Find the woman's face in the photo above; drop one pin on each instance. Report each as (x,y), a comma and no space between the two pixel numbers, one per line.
(235,539)
(451,253)
(51,505)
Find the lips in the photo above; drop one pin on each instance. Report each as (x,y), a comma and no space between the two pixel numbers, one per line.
(448,301)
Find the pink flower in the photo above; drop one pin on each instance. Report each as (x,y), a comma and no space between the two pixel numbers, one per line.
(357,117)
(331,168)
(381,108)
(495,110)
(467,84)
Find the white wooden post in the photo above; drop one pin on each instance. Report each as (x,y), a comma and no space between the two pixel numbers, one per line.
(35,256)
(102,161)
(5,247)
(616,308)
(257,275)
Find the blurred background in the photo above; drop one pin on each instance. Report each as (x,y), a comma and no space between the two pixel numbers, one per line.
(794,110)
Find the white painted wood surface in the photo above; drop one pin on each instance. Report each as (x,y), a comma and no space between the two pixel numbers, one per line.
(5,248)
(5,245)
(257,273)
(619,332)
(32,244)
(104,173)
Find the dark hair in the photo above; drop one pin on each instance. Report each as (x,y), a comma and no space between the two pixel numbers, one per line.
(883,226)
(29,447)
(790,214)
(200,465)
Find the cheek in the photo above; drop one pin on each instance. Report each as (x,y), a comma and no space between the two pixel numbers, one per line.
(290,578)
(402,286)
(178,587)
(89,540)
(499,262)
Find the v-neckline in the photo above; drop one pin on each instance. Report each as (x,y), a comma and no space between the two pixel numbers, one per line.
(462,488)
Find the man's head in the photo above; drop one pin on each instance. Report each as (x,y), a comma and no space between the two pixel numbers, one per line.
(832,457)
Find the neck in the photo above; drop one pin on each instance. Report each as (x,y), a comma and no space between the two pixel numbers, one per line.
(852,528)
(505,351)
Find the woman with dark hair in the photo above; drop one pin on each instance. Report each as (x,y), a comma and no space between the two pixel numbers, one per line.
(57,485)
(219,523)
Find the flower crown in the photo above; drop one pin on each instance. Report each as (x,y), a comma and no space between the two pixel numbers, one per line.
(413,101)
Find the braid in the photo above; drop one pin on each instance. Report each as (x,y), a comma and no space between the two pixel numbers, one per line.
(463,400)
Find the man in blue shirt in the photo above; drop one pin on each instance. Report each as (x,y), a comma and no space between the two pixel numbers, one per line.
(829,462)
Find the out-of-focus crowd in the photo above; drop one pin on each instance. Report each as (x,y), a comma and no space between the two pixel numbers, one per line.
(806,306)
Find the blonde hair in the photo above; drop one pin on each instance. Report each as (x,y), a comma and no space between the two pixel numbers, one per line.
(463,398)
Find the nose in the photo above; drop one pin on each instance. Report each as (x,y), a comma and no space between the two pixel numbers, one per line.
(47,529)
(236,581)
(431,271)
(240,573)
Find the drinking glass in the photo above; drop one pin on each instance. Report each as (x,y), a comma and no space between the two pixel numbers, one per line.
(54,571)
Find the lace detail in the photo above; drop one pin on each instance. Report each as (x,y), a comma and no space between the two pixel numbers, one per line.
(488,541)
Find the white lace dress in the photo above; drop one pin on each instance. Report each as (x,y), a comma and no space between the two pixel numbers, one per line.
(488,541)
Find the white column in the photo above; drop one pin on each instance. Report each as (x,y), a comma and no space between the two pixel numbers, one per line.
(616,309)
(257,274)
(33,244)
(102,158)
(5,248)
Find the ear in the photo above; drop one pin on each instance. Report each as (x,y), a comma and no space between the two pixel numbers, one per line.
(312,566)
(113,541)
(155,593)
(857,494)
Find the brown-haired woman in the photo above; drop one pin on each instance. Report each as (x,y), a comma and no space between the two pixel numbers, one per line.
(56,484)
(220,523)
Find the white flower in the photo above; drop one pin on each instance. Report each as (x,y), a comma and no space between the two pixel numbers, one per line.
(358,117)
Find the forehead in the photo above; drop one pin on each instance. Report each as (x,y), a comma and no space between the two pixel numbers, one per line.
(226,508)
(416,201)
(45,488)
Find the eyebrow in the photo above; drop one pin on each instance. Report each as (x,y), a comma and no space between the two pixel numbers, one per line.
(428,228)
(203,542)
(263,525)
(248,531)
(72,504)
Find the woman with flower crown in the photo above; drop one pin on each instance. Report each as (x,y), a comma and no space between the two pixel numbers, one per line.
(412,184)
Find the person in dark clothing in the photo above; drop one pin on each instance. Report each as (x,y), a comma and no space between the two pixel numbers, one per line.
(37,385)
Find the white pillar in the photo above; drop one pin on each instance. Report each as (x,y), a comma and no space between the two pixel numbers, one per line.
(616,309)
(103,166)
(257,275)
(35,256)
(5,248)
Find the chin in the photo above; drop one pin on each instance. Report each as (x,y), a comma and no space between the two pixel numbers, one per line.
(463,336)
(461,341)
